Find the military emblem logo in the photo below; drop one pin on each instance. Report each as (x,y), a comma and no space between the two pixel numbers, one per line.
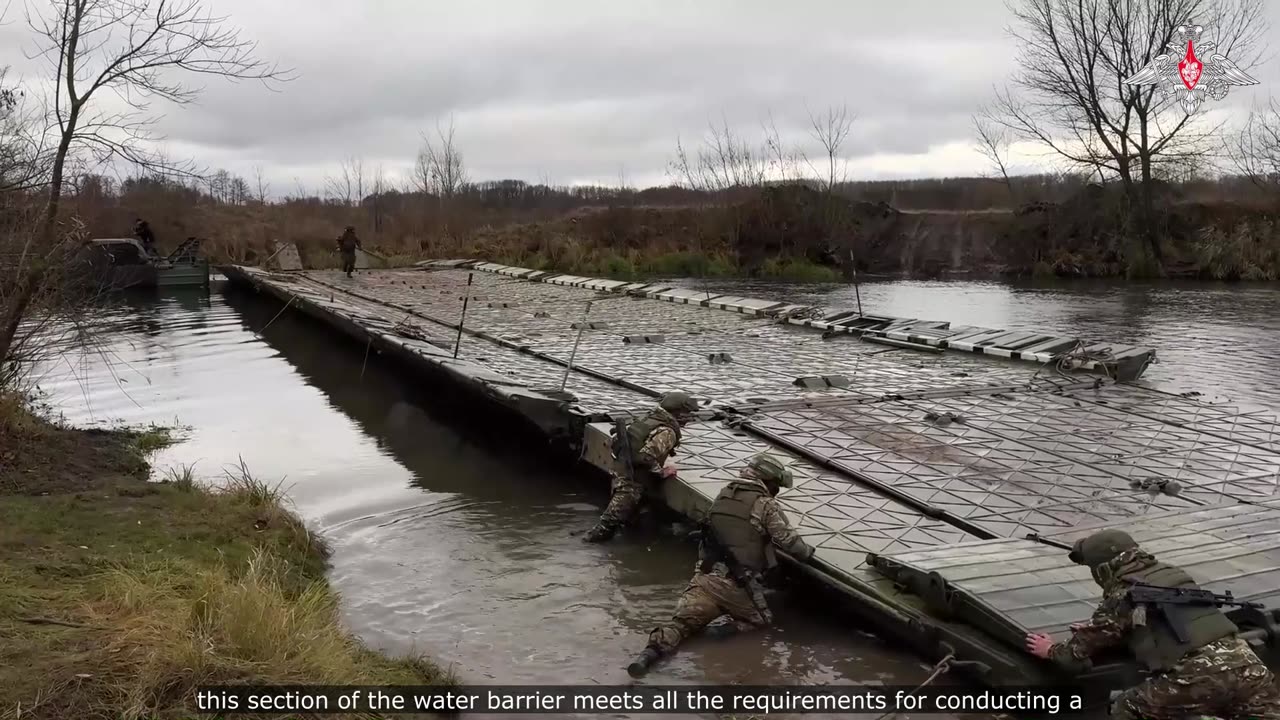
(1190,78)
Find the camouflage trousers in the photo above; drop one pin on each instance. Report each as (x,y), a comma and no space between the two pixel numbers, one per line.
(628,494)
(348,261)
(1247,693)
(706,598)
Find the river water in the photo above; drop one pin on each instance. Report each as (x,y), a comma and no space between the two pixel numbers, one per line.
(452,540)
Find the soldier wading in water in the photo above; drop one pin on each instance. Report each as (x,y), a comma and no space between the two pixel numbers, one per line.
(739,532)
(1214,672)
(641,450)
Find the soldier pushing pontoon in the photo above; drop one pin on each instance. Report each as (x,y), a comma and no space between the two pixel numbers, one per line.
(1200,666)
(736,552)
(641,450)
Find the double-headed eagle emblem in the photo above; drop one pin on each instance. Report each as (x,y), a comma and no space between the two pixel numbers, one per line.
(1191,78)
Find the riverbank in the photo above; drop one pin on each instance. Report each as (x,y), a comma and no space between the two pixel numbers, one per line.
(120,596)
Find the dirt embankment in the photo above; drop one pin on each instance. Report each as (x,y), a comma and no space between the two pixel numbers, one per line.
(120,596)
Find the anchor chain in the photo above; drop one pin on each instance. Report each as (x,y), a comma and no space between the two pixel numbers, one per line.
(941,667)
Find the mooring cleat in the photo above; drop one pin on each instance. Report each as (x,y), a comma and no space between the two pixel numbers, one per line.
(642,663)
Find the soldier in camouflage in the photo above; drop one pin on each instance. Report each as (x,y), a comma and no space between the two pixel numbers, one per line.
(648,443)
(347,245)
(1214,673)
(739,532)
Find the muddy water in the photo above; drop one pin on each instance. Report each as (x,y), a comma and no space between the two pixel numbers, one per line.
(452,539)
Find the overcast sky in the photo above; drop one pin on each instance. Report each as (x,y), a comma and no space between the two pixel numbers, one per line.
(583,91)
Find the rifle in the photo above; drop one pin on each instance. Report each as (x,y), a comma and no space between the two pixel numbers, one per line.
(622,447)
(1051,543)
(1170,601)
(717,552)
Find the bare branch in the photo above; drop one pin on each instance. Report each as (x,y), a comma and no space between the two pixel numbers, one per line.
(139,50)
(439,168)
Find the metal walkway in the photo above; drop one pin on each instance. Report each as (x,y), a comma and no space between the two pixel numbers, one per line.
(908,464)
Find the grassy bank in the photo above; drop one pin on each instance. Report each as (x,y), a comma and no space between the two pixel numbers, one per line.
(119,596)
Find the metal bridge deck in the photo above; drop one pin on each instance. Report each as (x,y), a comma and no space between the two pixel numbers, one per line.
(904,455)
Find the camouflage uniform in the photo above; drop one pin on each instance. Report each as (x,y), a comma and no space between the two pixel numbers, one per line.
(713,591)
(629,489)
(1224,678)
(712,594)
(651,440)
(347,245)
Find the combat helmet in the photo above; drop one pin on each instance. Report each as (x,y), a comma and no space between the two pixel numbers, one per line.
(678,403)
(771,470)
(1100,547)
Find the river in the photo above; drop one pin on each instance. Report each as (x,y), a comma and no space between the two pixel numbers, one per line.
(454,541)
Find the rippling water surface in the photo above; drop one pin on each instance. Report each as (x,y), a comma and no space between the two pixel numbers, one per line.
(453,539)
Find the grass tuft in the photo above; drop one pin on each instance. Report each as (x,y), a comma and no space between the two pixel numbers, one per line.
(242,484)
(181,477)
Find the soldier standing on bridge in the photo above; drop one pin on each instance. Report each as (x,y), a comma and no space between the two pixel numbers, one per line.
(347,245)
(1214,672)
(641,450)
(736,551)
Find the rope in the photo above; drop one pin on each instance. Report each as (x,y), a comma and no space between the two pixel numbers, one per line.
(943,665)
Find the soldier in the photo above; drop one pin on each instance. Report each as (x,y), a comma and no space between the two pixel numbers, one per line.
(735,552)
(641,454)
(1214,673)
(347,245)
(142,231)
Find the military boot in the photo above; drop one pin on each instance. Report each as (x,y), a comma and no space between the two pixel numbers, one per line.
(600,533)
(643,662)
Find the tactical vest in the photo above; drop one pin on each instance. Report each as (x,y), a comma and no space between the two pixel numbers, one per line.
(639,431)
(1154,644)
(730,520)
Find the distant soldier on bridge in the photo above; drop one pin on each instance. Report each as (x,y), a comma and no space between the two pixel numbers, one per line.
(735,554)
(347,245)
(641,450)
(1200,668)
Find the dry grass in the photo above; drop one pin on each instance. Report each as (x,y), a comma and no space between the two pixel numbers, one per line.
(1249,251)
(154,589)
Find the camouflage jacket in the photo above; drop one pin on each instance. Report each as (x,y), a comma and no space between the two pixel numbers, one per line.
(768,519)
(1112,621)
(656,449)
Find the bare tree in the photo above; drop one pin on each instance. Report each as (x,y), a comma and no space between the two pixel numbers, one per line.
(439,168)
(379,186)
(725,161)
(261,188)
(20,149)
(138,51)
(784,158)
(830,130)
(348,186)
(993,143)
(1070,95)
(1255,150)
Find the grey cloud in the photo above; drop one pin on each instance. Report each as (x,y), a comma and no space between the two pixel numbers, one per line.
(580,89)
